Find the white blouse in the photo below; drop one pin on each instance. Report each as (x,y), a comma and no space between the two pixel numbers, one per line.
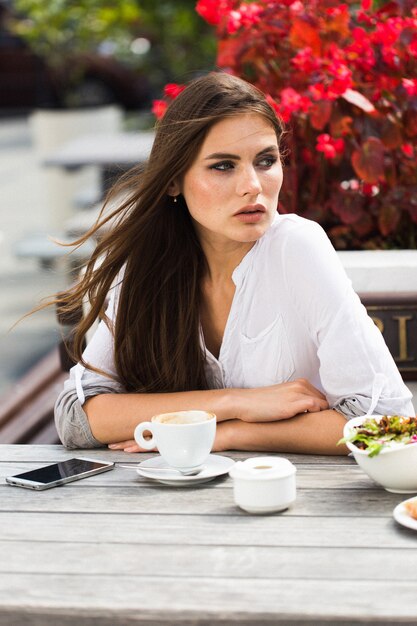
(294,315)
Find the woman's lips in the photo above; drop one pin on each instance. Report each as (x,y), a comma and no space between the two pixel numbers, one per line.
(251,214)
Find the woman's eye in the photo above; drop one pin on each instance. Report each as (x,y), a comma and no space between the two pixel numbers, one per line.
(223,166)
(267,161)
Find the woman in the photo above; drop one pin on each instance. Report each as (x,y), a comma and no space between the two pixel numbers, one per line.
(218,303)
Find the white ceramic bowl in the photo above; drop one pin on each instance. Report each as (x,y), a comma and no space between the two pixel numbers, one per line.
(264,484)
(394,469)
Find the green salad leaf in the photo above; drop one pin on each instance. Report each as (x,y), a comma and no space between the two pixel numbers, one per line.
(375,434)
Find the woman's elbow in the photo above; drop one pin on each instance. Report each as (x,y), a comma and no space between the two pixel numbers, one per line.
(72,424)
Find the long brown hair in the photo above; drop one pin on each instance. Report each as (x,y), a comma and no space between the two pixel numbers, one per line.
(157,329)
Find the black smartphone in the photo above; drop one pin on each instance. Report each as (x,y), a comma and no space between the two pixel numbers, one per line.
(59,473)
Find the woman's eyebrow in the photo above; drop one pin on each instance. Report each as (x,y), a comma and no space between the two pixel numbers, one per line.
(222,155)
(226,155)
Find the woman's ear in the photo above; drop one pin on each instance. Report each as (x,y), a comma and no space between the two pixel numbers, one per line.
(174,189)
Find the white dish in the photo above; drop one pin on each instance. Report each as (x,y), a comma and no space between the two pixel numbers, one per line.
(215,465)
(402,517)
(393,468)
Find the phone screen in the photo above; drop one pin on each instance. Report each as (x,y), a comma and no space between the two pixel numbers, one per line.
(58,471)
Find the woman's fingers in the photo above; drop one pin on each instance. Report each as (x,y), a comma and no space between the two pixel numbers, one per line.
(309,388)
(282,401)
(120,445)
(311,405)
(127,446)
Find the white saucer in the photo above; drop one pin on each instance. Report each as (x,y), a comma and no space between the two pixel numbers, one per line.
(402,517)
(215,465)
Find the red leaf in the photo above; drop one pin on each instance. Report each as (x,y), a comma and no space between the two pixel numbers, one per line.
(303,34)
(391,133)
(410,121)
(363,226)
(388,219)
(411,204)
(337,21)
(341,125)
(368,161)
(348,206)
(228,52)
(320,114)
(391,173)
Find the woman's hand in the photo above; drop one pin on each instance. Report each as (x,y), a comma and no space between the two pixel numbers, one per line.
(220,442)
(263,404)
(278,402)
(128,446)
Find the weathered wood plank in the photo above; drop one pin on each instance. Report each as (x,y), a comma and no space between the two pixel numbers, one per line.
(22,392)
(211,600)
(236,530)
(206,561)
(34,617)
(210,499)
(308,477)
(54,453)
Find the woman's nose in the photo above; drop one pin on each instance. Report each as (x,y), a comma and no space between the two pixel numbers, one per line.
(249,182)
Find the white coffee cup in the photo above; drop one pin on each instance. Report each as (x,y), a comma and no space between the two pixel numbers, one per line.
(184,438)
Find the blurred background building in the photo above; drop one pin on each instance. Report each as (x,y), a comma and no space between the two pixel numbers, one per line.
(63,57)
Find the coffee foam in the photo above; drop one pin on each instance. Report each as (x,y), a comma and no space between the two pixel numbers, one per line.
(183,417)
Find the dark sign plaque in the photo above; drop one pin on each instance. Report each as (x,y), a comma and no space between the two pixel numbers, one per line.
(396,317)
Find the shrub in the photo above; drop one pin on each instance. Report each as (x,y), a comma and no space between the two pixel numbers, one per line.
(344,79)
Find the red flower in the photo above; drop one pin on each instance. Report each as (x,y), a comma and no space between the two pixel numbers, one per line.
(387,83)
(296,6)
(273,104)
(246,15)
(213,10)
(370,190)
(408,150)
(330,147)
(172,90)
(318,92)
(410,85)
(307,156)
(158,108)
(342,9)
(342,79)
(305,61)
(412,48)
(292,102)
(234,22)
(360,53)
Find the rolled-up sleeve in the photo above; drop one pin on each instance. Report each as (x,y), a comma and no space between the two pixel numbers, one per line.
(357,372)
(70,418)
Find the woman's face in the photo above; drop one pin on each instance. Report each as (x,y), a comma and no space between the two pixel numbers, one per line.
(232,187)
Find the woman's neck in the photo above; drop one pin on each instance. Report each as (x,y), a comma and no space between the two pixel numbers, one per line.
(222,260)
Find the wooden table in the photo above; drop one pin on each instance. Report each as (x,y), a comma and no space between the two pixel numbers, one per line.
(116,549)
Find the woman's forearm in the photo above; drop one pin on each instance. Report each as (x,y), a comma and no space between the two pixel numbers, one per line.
(307,433)
(114,417)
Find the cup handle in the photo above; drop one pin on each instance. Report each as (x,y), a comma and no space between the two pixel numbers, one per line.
(148,444)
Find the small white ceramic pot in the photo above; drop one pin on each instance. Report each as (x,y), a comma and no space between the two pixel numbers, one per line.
(264,484)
